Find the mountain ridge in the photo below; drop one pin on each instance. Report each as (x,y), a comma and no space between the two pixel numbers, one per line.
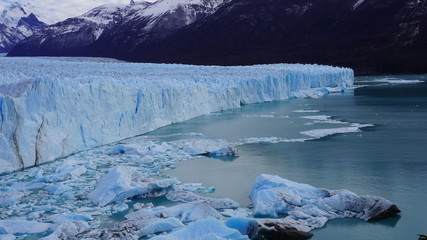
(373,37)
(19,21)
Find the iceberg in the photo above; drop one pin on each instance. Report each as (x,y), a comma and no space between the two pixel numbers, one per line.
(125,182)
(51,108)
(304,205)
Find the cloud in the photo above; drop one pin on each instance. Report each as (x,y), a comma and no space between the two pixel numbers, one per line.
(63,9)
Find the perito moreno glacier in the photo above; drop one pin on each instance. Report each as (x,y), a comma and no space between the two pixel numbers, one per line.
(54,107)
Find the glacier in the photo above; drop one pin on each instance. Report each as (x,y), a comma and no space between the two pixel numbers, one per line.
(51,107)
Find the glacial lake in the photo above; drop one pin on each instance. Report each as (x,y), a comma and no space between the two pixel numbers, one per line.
(380,150)
(387,160)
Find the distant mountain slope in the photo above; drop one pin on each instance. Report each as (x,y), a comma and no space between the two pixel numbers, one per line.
(115,31)
(371,36)
(17,22)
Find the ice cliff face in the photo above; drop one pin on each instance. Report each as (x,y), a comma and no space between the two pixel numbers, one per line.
(52,108)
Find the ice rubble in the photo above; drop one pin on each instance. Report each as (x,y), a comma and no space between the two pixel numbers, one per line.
(189,197)
(273,197)
(188,212)
(52,108)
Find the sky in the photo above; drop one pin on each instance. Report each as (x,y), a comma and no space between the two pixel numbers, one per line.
(63,9)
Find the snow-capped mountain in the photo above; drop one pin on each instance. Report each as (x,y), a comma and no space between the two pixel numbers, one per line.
(372,36)
(20,21)
(114,30)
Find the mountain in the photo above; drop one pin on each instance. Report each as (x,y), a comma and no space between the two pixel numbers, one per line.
(19,21)
(114,30)
(373,37)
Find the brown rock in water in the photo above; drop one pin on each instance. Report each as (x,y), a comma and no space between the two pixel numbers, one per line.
(275,232)
(391,211)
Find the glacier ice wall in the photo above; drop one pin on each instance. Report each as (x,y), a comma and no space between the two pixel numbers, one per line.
(53,107)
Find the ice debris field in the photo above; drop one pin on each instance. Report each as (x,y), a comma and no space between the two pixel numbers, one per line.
(106,185)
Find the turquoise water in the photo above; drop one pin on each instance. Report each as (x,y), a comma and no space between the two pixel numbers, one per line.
(388,159)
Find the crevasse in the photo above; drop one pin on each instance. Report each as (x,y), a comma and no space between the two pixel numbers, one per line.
(53,107)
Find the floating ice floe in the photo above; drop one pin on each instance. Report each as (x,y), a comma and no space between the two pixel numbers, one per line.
(123,182)
(391,81)
(7,237)
(194,187)
(308,207)
(214,148)
(188,212)
(238,212)
(272,140)
(317,117)
(135,229)
(17,227)
(67,229)
(189,197)
(63,174)
(320,133)
(306,111)
(245,226)
(207,229)
(10,198)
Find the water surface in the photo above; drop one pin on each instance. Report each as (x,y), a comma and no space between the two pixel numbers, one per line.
(388,159)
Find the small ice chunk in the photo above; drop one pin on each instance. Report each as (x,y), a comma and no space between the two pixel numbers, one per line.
(206,147)
(160,226)
(245,226)
(123,149)
(317,117)
(320,133)
(189,197)
(70,217)
(7,237)
(36,173)
(120,207)
(121,183)
(194,187)
(57,188)
(22,227)
(138,206)
(10,198)
(189,212)
(206,229)
(67,230)
(224,151)
(306,111)
(63,174)
(239,212)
